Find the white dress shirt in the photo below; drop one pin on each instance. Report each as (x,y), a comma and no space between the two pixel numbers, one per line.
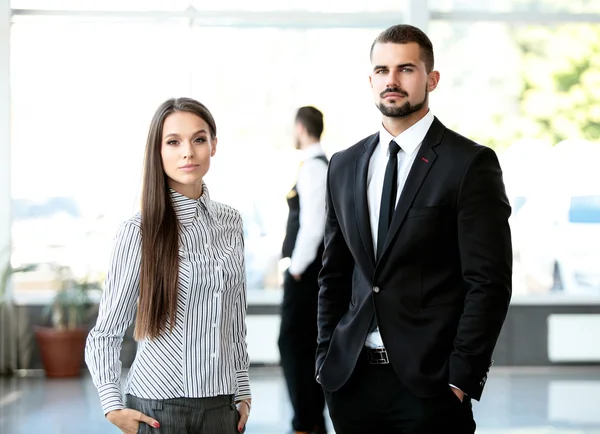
(205,354)
(410,142)
(311,187)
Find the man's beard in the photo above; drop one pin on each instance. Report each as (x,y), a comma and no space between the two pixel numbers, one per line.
(405,109)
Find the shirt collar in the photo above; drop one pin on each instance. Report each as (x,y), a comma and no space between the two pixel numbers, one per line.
(410,139)
(312,151)
(188,209)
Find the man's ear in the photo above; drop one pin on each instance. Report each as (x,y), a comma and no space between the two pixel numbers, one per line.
(433,78)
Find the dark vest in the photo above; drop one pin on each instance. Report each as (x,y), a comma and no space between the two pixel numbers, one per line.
(293,223)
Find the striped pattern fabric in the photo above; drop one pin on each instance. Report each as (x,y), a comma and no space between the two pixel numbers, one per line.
(205,355)
(216,415)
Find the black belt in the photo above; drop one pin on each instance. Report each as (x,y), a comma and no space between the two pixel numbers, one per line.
(377,356)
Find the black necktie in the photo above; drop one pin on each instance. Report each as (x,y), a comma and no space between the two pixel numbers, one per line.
(388,197)
(388,204)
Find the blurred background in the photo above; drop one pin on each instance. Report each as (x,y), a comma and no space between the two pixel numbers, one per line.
(80,80)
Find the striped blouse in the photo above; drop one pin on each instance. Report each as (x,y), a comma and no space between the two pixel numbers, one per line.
(205,354)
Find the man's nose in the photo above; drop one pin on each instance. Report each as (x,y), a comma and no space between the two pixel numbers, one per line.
(393,79)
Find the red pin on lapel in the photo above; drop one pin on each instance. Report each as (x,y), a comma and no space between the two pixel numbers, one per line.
(425,159)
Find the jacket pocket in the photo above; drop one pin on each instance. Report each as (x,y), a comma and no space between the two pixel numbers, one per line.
(424,212)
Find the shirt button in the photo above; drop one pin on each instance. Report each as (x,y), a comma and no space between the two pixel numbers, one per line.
(376,289)
(214,325)
(217,268)
(213,355)
(207,245)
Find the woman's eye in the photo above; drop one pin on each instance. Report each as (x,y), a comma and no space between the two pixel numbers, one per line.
(172,142)
(200,140)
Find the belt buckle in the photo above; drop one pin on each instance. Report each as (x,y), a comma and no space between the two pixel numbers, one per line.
(378,356)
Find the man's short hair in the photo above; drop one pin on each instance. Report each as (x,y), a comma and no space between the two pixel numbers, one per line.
(405,34)
(312,120)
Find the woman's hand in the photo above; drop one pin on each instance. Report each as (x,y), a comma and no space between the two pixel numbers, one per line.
(128,420)
(243,408)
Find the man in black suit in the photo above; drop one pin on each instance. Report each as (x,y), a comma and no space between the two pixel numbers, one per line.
(416,277)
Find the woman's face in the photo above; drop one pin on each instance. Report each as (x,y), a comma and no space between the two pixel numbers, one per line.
(186,150)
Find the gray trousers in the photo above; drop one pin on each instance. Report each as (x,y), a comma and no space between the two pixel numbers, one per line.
(215,415)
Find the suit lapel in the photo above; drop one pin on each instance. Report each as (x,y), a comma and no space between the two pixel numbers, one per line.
(360,195)
(419,170)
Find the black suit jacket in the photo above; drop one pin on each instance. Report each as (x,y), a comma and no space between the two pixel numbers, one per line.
(442,286)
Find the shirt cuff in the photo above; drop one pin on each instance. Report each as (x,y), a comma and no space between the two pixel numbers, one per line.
(110,397)
(243,386)
(457,388)
(295,269)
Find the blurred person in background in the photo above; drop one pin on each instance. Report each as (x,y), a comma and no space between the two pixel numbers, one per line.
(417,268)
(179,266)
(303,244)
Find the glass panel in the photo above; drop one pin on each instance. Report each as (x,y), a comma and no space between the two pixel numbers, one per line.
(572,6)
(91,89)
(83,96)
(254,81)
(530,92)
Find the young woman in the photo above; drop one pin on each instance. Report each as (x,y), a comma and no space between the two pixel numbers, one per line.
(178,268)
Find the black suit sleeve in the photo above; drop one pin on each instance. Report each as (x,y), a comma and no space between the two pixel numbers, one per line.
(486,261)
(335,276)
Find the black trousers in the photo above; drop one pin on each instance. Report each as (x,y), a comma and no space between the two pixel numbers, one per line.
(297,348)
(215,415)
(374,400)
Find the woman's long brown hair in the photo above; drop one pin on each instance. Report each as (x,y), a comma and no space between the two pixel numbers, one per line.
(157,302)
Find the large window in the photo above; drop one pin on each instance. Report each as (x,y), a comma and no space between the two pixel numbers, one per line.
(83,95)
(254,80)
(85,85)
(530,91)
(84,91)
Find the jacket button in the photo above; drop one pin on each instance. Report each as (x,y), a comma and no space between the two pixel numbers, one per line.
(376,289)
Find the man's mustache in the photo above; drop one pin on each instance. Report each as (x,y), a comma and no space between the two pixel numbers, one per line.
(393,90)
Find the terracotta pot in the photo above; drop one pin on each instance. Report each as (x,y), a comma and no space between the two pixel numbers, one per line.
(62,351)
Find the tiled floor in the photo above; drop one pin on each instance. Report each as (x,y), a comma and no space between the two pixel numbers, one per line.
(516,401)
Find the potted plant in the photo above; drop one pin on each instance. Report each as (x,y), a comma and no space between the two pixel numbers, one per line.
(62,343)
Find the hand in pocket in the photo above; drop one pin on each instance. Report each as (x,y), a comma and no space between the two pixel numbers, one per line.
(128,420)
